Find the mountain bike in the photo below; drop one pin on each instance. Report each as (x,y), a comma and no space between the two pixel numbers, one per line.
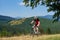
(34,31)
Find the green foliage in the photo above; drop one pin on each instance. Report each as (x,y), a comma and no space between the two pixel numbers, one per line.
(5,33)
(31,3)
(48,31)
(53,5)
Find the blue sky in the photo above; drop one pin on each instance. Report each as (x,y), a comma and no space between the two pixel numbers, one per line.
(16,8)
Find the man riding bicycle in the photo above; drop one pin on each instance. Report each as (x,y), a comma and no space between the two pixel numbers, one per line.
(36,25)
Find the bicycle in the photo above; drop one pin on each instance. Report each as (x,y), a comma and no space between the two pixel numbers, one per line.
(34,32)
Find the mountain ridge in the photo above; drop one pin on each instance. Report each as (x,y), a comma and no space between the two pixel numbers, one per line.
(5,18)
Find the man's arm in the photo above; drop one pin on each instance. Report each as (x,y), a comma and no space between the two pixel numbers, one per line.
(32,21)
(38,24)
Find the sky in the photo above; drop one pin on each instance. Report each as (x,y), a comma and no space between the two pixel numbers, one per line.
(16,8)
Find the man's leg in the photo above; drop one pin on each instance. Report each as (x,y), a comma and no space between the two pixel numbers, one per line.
(33,29)
(37,29)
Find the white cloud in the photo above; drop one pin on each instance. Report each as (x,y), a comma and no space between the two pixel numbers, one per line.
(21,4)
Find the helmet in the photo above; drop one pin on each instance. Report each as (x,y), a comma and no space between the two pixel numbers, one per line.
(35,17)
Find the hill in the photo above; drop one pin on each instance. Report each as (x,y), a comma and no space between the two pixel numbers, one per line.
(47,17)
(5,18)
(46,24)
(22,26)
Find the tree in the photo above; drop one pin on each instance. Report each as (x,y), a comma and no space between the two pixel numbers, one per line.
(53,5)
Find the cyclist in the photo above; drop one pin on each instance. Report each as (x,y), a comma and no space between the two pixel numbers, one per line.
(36,24)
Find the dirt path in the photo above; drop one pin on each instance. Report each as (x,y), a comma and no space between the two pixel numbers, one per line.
(28,37)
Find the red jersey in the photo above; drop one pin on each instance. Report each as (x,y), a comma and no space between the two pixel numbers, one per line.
(36,21)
